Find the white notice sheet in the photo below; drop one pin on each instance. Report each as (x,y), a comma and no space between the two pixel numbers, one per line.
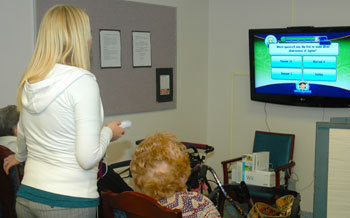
(141,49)
(110,48)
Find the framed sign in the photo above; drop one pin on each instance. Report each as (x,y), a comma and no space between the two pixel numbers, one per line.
(110,48)
(164,84)
(141,49)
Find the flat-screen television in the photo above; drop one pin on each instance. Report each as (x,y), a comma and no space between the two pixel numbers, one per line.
(303,66)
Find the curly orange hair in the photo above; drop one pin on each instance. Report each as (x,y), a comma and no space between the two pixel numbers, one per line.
(160,166)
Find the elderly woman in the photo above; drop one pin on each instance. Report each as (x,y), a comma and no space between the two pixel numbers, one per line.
(160,168)
(9,117)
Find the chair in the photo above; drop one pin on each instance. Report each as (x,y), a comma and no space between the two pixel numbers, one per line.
(281,147)
(135,205)
(8,185)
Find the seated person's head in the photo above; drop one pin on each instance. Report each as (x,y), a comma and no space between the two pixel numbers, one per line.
(160,166)
(9,117)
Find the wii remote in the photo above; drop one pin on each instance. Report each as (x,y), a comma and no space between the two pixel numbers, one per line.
(125,124)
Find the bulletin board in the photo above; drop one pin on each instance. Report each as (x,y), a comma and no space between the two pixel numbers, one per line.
(128,89)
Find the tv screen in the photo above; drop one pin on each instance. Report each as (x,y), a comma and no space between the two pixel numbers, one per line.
(304,66)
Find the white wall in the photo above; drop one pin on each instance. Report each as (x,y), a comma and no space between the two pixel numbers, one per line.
(188,120)
(232,117)
(16,45)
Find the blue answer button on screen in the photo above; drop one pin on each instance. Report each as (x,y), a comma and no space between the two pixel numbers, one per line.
(286,61)
(320,74)
(286,73)
(325,62)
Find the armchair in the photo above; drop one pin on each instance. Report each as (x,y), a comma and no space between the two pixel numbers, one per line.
(281,147)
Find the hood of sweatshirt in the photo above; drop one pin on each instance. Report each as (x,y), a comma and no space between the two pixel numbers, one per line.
(36,97)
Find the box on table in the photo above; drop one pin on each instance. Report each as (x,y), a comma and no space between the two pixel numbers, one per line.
(247,162)
(263,178)
(258,177)
(261,160)
(256,161)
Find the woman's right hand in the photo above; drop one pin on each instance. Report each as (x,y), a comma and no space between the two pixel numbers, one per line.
(116,129)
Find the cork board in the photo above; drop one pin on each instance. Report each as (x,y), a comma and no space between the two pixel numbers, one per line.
(128,89)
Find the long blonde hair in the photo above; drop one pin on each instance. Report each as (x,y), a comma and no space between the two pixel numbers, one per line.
(62,38)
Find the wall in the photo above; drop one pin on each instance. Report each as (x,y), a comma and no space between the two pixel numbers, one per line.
(16,45)
(188,120)
(232,117)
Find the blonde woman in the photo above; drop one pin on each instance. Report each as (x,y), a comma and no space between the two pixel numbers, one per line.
(60,132)
(160,168)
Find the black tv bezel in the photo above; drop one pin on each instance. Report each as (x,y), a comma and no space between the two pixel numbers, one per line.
(295,100)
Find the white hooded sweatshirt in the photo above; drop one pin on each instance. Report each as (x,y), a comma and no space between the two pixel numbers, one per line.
(60,133)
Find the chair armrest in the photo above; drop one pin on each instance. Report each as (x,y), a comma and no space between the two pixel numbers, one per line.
(278,169)
(286,166)
(225,164)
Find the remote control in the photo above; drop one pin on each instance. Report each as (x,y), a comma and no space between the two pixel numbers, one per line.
(125,124)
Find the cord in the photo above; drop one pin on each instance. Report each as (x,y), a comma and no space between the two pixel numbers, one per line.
(104,160)
(267,124)
(306,187)
(297,179)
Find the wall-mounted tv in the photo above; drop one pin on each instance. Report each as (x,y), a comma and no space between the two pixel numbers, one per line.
(303,66)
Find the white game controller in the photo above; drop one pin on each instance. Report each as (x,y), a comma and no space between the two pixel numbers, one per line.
(125,124)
